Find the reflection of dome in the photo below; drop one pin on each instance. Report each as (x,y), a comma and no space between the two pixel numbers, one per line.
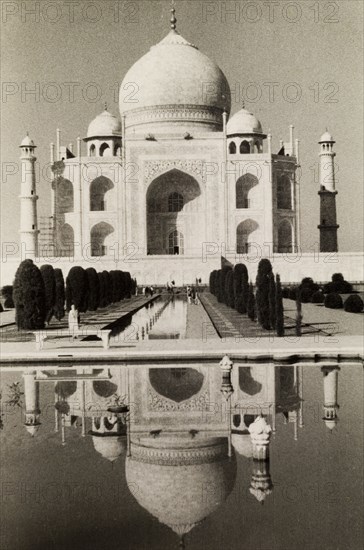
(174,83)
(326,137)
(244,122)
(242,444)
(104,125)
(181,486)
(109,446)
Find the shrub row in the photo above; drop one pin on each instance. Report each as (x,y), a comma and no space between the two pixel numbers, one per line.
(40,294)
(231,287)
(309,291)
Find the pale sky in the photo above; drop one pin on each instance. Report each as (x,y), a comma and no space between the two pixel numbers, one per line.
(316,45)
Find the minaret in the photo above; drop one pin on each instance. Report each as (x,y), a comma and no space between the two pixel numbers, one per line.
(328,226)
(28,200)
(32,410)
(330,396)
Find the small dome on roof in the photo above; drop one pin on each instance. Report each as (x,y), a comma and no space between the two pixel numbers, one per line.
(244,122)
(326,137)
(105,124)
(27,142)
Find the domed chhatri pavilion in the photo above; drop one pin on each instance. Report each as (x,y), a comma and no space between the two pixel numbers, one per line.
(176,182)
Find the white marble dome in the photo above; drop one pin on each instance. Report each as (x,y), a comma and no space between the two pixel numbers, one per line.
(27,142)
(326,137)
(244,122)
(104,125)
(174,83)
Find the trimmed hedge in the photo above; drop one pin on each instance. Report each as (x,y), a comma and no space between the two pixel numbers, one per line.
(333,301)
(354,304)
(318,297)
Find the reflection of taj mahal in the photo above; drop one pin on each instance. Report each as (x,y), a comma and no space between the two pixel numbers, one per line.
(177,172)
(179,428)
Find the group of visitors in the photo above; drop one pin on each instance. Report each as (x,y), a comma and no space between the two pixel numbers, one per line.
(192,296)
(148,291)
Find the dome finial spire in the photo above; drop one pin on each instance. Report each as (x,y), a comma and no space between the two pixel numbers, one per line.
(105,105)
(173,17)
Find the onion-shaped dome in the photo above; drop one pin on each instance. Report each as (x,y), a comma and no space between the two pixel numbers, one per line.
(27,142)
(168,481)
(110,446)
(326,138)
(104,125)
(174,83)
(243,122)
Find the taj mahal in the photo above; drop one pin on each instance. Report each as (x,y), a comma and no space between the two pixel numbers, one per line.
(176,183)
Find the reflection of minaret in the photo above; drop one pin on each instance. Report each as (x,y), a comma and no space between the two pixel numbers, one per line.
(261,482)
(32,410)
(227,390)
(331,375)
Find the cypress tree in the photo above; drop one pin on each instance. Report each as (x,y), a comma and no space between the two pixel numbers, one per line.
(108,287)
(251,303)
(241,288)
(223,291)
(29,297)
(49,280)
(229,289)
(58,310)
(102,296)
(93,289)
(218,286)
(115,293)
(77,289)
(128,284)
(262,297)
(279,308)
(272,301)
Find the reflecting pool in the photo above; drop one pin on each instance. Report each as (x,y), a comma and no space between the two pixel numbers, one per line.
(196,455)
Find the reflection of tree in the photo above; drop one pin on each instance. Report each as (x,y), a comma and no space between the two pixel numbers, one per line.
(15,395)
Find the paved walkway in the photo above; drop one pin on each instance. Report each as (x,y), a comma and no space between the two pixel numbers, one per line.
(7,317)
(102,318)
(199,326)
(330,321)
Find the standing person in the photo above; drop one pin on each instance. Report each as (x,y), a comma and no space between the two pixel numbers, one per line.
(197,301)
(151,291)
(193,295)
(188,295)
(73,320)
(143,290)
